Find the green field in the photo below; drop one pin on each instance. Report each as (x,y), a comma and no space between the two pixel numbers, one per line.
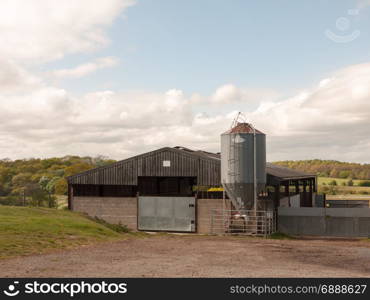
(340,189)
(31,230)
(339,181)
(348,197)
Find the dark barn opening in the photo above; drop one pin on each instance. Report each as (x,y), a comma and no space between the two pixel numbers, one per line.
(93,190)
(166,186)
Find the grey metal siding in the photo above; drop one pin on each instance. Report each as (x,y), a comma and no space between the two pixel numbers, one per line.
(342,222)
(244,158)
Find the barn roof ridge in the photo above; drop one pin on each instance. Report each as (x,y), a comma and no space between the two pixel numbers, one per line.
(193,153)
(282,173)
(286,173)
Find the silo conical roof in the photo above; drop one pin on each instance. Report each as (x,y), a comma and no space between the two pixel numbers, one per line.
(242,128)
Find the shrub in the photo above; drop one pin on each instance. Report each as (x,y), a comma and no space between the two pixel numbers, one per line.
(364,183)
(344,174)
(333,182)
(333,191)
(350,182)
(325,189)
(12,200)
(42,199)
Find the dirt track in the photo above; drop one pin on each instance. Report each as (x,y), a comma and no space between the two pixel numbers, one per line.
(200,256)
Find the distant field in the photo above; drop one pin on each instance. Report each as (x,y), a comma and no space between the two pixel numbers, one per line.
(339,181)
(348,197)
(344,190)
(358,189)
(30,230)
(339,189)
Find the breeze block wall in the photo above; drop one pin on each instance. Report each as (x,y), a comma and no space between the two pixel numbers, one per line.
(111,209)
(204,213)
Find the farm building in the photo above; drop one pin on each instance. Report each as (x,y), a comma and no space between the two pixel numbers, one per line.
(175,189)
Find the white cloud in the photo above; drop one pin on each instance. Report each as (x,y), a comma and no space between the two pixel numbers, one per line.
(331,120)
(34,114)
(44,30)
(13,77)
(363,4)
(229,93)
(85,69)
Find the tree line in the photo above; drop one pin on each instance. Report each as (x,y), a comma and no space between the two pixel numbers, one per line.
(329,168)
(40,179)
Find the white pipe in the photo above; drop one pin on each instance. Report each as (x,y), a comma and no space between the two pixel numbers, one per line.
(254,170)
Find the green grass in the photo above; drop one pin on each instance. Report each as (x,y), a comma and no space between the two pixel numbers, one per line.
(27,230)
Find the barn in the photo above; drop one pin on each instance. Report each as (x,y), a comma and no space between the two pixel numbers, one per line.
(175,189)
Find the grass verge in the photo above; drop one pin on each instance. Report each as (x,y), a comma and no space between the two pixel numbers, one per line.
(115,227)
(29,230)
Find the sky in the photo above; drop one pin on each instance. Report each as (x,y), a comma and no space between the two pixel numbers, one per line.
(123,77)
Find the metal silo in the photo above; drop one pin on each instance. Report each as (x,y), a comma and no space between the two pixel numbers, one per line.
(241,146)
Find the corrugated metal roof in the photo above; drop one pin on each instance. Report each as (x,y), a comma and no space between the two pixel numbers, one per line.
(285,173)
(204,165)
(205,154)
(183,163)
(274,170)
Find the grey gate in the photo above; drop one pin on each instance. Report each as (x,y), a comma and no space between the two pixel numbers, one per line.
(247,222)
(166,213)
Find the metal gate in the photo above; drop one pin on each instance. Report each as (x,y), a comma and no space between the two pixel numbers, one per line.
(247,222)
(166,213)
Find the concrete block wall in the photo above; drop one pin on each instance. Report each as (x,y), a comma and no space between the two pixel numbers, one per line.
(124,210)
(111,209)
(204,212)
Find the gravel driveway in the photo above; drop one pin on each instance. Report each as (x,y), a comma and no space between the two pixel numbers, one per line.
(200,256)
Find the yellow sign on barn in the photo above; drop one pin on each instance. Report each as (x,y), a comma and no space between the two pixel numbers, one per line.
(215,189)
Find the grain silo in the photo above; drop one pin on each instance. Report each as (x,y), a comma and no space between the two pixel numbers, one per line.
(243,164)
